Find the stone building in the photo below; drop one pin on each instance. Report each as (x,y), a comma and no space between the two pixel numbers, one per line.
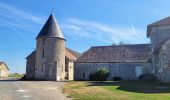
(131,61)
(159,34)
(125,61)
(51,60)
(4,70)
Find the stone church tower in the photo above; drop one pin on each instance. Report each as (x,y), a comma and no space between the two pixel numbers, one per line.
(50,52)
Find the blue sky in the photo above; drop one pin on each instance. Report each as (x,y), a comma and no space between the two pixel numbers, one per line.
(85,23)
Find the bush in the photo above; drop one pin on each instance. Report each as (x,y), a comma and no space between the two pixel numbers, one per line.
(148,77)
(24,78)
(116,78)
(101,75)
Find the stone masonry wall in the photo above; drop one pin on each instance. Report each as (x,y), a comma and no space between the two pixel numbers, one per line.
(124,70)
(50,59)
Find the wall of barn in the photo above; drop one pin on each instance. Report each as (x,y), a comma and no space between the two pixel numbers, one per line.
(4,72)
(159,34)
(124,70)
(30,67)
(163,66)
(69,68)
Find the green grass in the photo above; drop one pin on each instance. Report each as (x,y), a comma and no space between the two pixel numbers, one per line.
(123,90)
(16,75)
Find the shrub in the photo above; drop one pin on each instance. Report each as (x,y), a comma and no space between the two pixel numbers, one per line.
(116,78)
(148,77)
(101,75)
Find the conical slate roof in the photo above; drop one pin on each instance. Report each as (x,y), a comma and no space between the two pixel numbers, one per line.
(51,29)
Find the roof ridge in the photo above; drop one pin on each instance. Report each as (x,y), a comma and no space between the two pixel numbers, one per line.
(159,21)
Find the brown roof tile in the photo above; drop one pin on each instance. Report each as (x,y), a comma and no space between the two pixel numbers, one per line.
(117,53)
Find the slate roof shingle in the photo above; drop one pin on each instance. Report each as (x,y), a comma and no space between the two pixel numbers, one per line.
(51,29)
(117,53)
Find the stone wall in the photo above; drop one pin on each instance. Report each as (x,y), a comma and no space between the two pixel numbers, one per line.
(124,70)
(159,34)
(70,70)
(30,66)
(50,59)
(163,62)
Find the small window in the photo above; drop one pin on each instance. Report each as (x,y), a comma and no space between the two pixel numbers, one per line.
(43,41)
(83,75)
(43,53)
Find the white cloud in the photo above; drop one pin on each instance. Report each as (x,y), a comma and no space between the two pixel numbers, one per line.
(12,12)
(104,33)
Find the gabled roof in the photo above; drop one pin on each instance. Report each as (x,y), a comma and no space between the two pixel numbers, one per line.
(4,64)
(117,53)
(51,29)
(162,22)
(71,54)
(165,21)
(32,54)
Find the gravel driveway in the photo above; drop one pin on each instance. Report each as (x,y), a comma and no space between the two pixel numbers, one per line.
(31,90)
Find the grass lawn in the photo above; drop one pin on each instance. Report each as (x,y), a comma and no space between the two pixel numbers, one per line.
(16,75)
(118,90)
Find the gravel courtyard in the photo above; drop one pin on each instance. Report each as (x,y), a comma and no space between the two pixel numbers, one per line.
(31,90)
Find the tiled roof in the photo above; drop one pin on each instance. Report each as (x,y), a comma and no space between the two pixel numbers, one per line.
(117,53)
(71,54)
(165,21)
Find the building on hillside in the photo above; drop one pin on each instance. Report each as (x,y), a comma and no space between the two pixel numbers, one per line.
(125,61)
(51,60)
(4,70)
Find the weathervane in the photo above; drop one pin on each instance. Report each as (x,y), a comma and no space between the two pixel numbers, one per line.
(52,10)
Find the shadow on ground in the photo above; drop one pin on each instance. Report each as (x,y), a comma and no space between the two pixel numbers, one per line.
(20,79)
(134,86)
(9,79)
